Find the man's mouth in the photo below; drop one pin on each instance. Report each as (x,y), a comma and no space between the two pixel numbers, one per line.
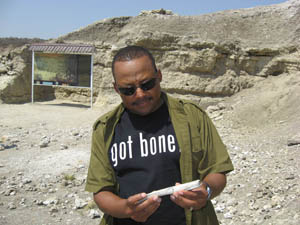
(142,101)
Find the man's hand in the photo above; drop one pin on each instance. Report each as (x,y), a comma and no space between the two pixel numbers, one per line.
(195,199)
(141,211)
(118,207)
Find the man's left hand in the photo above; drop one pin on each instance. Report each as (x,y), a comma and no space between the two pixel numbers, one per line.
(193,199)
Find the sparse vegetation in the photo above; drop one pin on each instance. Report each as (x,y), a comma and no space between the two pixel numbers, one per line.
(69,177)
(91,205)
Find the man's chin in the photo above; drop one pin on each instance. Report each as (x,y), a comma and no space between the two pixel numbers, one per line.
(141,111)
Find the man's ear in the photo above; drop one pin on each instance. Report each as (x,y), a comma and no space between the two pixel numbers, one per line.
(159,75)
(116,88)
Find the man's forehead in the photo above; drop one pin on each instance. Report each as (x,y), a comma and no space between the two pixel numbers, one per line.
(144,58)
(141,63)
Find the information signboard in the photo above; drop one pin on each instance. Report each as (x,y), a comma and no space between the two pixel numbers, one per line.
(62,65)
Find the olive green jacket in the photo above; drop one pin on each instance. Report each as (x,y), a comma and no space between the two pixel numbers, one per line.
(202,152)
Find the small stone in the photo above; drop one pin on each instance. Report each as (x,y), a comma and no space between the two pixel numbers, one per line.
(44,142)
(294,140)
(11,206)
(3,68)
(79,203)
(212,108)
(81,166)
(22,202)
(232,202)
(75,133)
(9,192)
(51,190)
(253,207)
(71,195)
(53,209)
(220,208)
(26,181)
(267,207)
(50,201)
(276,200)
(296,217)
(11,73)
(93,213)
(228,215)
(266,217)
(63,147)
(38,202)
(290,177)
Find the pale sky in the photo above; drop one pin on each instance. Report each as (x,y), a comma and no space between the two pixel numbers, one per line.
(53,18)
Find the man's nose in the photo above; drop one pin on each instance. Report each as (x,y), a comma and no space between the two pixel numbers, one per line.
(139,93)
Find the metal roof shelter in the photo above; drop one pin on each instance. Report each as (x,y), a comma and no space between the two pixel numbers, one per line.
(64,49)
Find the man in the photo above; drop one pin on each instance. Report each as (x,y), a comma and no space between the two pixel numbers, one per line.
(153,141)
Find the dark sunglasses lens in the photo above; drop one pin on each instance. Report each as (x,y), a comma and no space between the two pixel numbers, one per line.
(127,91)
(148,85)
(145,87)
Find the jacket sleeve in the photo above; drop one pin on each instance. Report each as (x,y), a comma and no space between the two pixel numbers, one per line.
(215,156)
(209,154)
(100,173)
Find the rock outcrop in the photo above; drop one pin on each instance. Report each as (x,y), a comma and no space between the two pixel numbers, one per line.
(205,57)
(15,69)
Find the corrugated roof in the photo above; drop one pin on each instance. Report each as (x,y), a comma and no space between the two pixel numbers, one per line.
(62,48)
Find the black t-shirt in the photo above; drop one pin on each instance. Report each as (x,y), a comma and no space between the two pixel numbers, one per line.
(145,156)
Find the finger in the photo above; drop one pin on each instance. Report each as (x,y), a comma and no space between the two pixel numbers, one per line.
(182,201)
(135,199)
(146,209)
(151,202)
(195,194)
(148,203)
(189,199)
(181,192)
(154,204)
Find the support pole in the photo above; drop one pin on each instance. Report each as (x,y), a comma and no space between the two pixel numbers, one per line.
(32,78)
(91,82)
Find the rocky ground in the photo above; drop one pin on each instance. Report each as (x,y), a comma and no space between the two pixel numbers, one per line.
(44,155)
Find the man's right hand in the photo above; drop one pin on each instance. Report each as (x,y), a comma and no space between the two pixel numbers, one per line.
(132,207)
(141,211)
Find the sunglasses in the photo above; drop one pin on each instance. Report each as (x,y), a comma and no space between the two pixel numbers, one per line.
(144,86)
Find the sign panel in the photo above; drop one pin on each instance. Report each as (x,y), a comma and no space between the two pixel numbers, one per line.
(62,69)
